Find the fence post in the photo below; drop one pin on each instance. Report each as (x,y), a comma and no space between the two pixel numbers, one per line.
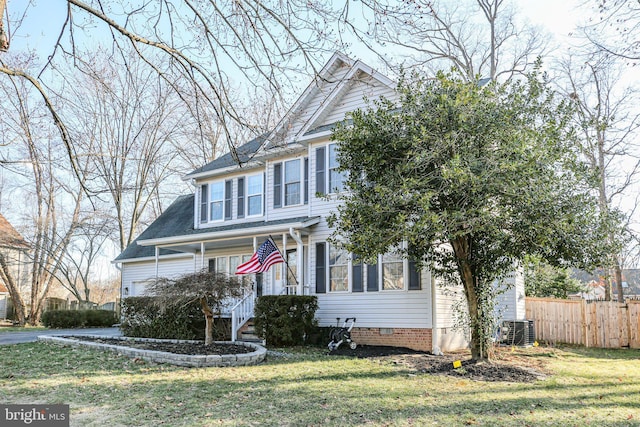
(585,325)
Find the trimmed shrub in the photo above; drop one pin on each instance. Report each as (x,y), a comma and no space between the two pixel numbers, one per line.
(143,317)
(285,319)
(78,318)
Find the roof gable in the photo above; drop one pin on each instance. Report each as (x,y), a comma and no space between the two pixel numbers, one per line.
(338,88)
(9,236)
(323,102)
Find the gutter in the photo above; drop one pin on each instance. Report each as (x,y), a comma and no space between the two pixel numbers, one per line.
(217,235)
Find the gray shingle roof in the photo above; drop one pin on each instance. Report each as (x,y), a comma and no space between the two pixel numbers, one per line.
(177,220)
(245,153)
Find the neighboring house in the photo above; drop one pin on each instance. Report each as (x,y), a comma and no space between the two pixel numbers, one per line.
(284,187)
(13,250)
(4,301)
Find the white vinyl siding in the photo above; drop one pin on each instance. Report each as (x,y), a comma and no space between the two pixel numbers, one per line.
(352,97)
(139,272)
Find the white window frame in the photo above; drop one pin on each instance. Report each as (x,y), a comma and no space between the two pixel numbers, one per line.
(330,188)
(329,266)
(249,195)
(212,201)
(299,181)
(405,272)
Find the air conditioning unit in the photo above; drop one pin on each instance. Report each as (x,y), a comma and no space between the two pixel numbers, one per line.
(517,332)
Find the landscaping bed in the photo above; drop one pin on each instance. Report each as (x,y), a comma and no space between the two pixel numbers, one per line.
(177,347)
(506,367)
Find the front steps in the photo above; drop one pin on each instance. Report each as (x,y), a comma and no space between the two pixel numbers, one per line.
(248,334)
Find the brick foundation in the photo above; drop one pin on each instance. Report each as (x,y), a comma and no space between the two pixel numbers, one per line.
(413,338)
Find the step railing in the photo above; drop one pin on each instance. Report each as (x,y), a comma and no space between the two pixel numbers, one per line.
(241,313)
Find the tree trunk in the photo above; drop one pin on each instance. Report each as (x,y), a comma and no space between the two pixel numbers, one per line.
(208,318)
(479,340)
(618,273)
(16,298)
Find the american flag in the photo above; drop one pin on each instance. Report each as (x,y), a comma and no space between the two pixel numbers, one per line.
(266,255)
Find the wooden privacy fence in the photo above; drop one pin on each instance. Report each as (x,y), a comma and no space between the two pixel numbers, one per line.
(604,324)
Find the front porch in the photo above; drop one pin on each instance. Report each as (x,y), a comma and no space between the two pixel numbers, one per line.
(223,248)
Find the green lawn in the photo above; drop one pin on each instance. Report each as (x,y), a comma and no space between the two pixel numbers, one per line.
(586,387)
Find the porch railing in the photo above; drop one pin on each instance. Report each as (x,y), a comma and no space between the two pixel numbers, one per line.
(241,313)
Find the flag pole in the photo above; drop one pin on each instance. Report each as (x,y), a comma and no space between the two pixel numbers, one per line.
(284,257)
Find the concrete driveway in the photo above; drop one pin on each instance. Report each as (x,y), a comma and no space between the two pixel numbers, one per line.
(32,336)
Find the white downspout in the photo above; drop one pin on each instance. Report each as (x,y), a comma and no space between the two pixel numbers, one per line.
(435,335)
(201,255)
(299,261)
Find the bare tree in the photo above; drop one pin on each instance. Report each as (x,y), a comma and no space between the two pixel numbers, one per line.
(609,125)
(126,125)
(478,37)
(50,201)
(75,273)
(209,45)
(616,29)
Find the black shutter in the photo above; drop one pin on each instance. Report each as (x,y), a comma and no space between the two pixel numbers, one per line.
(240,198)
(277,185)
(212,265)
(321,271)
(228,185)
(320,170)
(258,284)
(306,180)
(204,192)
(372,278)
(357,284)
(414,277)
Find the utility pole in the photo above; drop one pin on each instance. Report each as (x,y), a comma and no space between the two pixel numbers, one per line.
(4,41)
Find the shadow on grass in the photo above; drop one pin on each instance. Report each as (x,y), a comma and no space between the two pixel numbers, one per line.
(298,388)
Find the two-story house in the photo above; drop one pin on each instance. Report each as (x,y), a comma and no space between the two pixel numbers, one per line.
(283,185)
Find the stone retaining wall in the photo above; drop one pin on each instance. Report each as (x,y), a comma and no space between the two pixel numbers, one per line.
(243,359)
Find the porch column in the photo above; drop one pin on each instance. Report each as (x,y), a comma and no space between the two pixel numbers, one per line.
(299,260)
(284,268)
(201,255)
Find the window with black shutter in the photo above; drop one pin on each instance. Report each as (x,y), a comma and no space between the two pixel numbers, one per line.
(357,284)
(372,278)
(228,185)
(320,170)
(321,272)
(204,191)
(306,180)
(240,200)
(277,185)
(414,277)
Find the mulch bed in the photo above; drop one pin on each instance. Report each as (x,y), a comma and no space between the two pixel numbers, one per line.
(506,368)
(197,348)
